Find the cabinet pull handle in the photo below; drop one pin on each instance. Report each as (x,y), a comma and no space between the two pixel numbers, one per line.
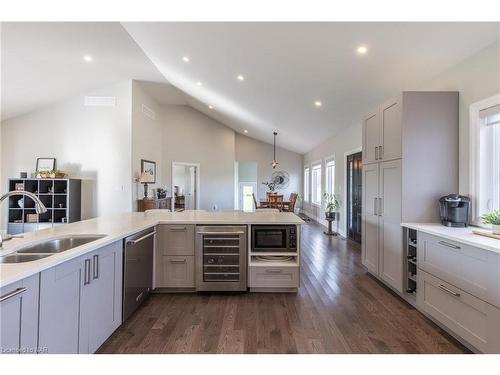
(380,152)
(447,244)
(449,291)
(376,153)
(274,271)
(178,229)
(133,242)
(177,260)
(86,276)
(380,207)
(375,206)
(95,267)
(5,297)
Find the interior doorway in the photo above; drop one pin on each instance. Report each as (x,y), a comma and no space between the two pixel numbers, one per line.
(246,185)
(354,194)
(185,186)
(247,191)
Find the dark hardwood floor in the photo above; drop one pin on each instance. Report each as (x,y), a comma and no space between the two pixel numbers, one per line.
(338,309)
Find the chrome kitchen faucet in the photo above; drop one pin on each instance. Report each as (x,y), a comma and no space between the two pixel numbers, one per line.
(39,207)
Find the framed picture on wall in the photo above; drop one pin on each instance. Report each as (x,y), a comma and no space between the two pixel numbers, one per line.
(149,167)
(45,164)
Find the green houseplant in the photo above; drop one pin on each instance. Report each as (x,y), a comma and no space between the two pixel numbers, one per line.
(493,218)
(332,204)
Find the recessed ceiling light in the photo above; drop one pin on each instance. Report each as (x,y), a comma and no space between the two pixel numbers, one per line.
(185,59)
(240,77)
(199,83)
(210,107)
(317,103)
(245,131)
(362,50)
(88,58)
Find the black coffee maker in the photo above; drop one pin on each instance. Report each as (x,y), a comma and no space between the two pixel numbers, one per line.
(454,210)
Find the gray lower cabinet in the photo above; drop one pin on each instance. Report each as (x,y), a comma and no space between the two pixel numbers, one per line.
(19,316)
(80,301)
(175,256)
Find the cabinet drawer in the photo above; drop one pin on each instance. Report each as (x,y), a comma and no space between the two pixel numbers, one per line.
(176,239)
(476,321)
(461,265)
(274,277)
(177,272)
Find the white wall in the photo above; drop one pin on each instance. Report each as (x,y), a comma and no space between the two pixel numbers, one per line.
(92,143)
(249,149)
(190,136)
(476,78)
(337,147)
(147,141)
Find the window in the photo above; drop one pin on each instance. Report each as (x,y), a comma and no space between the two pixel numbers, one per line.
(330,177)
(316,184)
(488,190)
(306,184)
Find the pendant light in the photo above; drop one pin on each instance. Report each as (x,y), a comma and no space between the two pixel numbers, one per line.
(275,162)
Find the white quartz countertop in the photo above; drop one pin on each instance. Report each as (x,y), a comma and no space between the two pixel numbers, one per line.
(462,235)
(117,227)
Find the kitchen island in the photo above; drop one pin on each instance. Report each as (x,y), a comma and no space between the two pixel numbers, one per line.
(72,300)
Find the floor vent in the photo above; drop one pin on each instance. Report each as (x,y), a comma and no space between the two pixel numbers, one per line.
(100,101)
(148,112)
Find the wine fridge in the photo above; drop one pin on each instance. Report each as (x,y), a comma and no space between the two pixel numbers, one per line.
(221,258)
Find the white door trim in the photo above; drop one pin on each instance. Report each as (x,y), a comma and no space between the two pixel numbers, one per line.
(198,173)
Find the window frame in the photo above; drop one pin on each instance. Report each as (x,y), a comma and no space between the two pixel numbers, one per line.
(307,183)
(474,155)
(329,184)
(315,167)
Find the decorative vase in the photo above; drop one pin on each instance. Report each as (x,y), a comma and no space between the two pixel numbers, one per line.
(330,214)
(495,228)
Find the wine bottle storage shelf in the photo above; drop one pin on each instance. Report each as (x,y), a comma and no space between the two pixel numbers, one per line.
(410,242)
(61,197)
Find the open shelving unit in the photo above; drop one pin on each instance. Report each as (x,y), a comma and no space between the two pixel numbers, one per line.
(62,197)
(410,244)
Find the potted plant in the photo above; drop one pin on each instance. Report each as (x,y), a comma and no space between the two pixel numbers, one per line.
(332,204)
(493,218)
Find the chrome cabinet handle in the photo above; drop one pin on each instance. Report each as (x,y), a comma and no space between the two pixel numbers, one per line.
(449,291)
(376,153)
(380,211)
(178,229)
(133,242)
(447,244)
(274,271)
(178,260)
(86,276)
(380,152)
(95,267)
(375,206)
(239,232)
(14,293)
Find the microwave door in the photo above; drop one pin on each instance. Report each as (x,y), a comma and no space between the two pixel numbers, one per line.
(270,239)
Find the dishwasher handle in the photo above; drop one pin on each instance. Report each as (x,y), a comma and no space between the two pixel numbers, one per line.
(133,242)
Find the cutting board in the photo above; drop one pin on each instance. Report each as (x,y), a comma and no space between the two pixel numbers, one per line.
(486,234)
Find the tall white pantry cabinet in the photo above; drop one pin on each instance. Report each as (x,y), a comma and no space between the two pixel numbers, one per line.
(410,160)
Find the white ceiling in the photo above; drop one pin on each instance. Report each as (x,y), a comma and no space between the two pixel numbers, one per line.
(287,66)
(42,63)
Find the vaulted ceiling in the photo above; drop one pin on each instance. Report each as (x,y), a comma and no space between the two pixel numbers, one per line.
(286,68)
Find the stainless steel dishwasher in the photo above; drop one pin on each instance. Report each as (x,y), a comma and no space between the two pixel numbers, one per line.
(221,258)
(137,270)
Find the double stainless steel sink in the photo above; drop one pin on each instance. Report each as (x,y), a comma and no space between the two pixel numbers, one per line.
(47,248)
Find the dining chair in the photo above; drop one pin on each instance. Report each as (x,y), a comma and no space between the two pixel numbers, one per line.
(276,201)
(290,206)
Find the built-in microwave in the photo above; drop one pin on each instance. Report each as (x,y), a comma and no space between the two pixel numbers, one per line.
(274,238)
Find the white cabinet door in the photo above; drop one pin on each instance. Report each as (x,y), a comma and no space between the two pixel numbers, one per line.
(371,137)
(390,130)
(101,312)
(176,239)
(19,316)
(178,271)
(390,231)
(370,232)
(60,289)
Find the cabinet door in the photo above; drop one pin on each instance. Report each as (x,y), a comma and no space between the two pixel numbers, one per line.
(19,316)
(370,218)
(390,130)
(60,288)
(371,137)
(176,239)
(101,312)
(390,231)
(178,272)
